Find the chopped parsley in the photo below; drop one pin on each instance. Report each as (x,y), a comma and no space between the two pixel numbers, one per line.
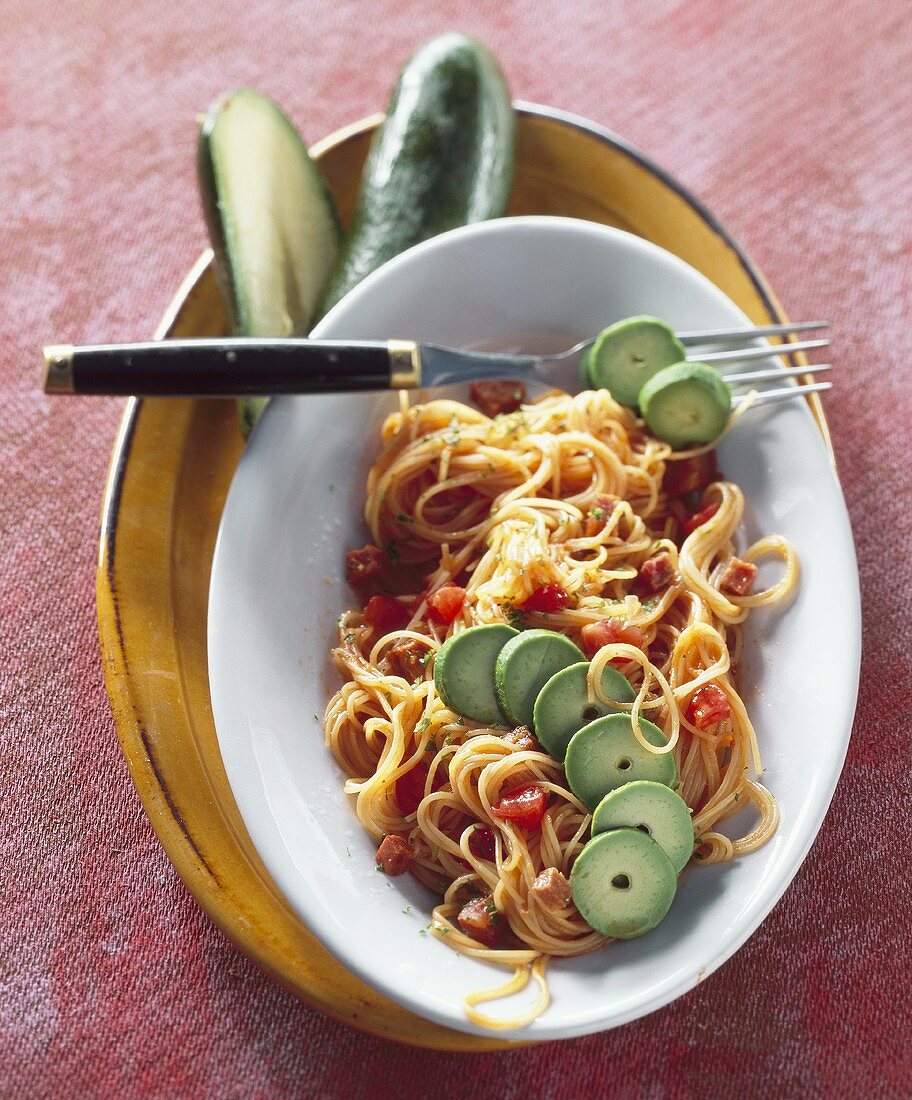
(515,618)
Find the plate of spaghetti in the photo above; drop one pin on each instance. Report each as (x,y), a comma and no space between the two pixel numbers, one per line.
(531,718)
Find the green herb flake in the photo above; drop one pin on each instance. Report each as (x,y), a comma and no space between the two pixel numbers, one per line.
(391,552)
(516,619)
(423,724)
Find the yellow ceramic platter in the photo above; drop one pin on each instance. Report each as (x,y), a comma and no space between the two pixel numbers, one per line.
(170,471)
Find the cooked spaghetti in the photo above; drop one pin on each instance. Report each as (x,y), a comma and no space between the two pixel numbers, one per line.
(564,514)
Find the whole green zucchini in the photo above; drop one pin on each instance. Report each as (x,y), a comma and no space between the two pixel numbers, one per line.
(442,158)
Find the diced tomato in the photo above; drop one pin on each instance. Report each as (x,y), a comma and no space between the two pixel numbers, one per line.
(407,659)
(552,890)
(497,396)
(690,475)
(410,787)
(446,602)
(547,599)
(394,855)
(708,706)
(699,518)
(738,578)
(525,807)
(363,565)
(599,514)
(386,613)
(481,842)
(657,572)
(608,632)
(480,919)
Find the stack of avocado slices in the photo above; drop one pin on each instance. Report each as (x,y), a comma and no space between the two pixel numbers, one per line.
(625,878)
(643,364)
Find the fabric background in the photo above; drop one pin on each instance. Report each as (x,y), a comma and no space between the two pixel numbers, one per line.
(791,119)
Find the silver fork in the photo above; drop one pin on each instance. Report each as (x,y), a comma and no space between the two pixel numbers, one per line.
(264,366)
(561,369)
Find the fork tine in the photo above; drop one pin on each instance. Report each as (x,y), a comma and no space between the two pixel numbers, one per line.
(746,354)
(771,397)
(775,372)
(736,335)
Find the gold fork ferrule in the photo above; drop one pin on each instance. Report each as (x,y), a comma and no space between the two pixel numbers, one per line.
(405,364)
(58,369)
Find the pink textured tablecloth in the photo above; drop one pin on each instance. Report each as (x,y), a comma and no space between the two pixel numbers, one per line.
(792,120)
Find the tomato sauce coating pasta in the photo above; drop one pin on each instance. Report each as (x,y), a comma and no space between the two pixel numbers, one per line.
(567,515)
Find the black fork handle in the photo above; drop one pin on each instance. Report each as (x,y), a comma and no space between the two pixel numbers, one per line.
(241,367)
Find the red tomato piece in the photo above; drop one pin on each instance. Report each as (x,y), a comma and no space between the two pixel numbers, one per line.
(608,632)
(394,855)
(690,475)
(657,572)
(446,602)
(407,659)
(497,396)
(552,890)
(481,842)
(386,613)
(599,514)
(699,518)
(363,565)
(410,787)
(738,578)
(708,706)
(479,919)
(547,599)
(525,807)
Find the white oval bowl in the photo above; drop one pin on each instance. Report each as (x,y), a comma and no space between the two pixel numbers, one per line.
(294,508)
